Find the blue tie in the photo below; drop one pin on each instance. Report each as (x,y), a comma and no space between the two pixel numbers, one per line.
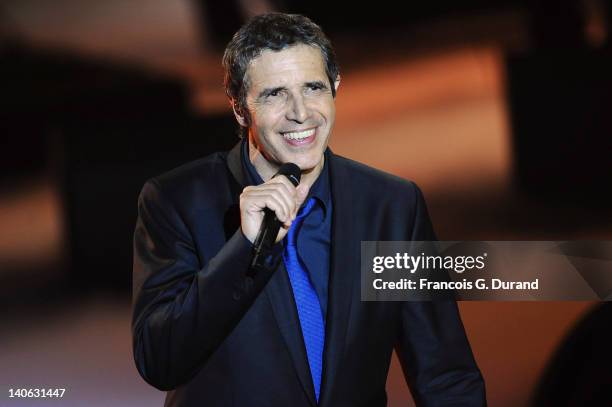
(306,300)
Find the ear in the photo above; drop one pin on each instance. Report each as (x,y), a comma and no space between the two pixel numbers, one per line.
(239,117)
(337,83)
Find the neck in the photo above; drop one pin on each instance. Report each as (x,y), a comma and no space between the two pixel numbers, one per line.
(267,169)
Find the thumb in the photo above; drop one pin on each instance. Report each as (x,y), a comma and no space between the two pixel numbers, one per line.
(302,192)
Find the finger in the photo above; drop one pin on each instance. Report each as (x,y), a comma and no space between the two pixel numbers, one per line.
(284,180)
(277,206)
(285,209)
(288,194)
(286,184)
(275,187)
(262,199)
(302,193)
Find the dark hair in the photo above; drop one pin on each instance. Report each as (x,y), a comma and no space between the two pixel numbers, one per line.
(272,31)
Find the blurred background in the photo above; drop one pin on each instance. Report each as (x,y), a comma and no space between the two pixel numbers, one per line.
(499,110)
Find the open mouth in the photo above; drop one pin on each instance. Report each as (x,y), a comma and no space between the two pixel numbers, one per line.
(300,138)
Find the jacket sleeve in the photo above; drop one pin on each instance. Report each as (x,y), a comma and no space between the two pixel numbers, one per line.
(182,310)
(432,345)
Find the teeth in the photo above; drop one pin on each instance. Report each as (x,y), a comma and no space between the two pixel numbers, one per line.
(299,135)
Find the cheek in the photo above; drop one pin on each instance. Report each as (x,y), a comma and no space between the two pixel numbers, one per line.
(330,115)
(327,108)
(269,120)
(263,126)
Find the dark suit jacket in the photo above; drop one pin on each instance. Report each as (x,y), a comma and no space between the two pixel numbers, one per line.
(211,335)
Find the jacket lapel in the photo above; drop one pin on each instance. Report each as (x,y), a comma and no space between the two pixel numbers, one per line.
(234,163)
(278,291)
(344,261)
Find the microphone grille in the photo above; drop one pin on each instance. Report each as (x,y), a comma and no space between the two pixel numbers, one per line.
(292,172)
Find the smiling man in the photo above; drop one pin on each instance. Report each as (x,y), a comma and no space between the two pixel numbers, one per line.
(212,330)
(291,107)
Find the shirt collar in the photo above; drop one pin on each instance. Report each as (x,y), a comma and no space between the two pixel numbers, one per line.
(319,190)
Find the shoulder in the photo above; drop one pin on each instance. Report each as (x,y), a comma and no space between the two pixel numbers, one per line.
(397,203)
(207,176)
(372,181)
(204,170)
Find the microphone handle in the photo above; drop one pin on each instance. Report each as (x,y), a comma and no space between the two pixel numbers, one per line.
(265,238)
(268,230)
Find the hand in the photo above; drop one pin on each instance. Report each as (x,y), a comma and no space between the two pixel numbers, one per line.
(277,194)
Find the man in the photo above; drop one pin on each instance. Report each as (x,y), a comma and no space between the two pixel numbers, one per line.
(214,331)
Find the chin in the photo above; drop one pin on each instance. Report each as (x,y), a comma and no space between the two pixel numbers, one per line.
(306,160)
(307,165)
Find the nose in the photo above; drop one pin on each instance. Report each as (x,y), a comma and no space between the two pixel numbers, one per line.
(297,110)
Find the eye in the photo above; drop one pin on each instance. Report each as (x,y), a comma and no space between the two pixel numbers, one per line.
(315,86)
(274,93)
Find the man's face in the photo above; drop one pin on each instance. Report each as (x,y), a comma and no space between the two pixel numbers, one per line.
(291,107)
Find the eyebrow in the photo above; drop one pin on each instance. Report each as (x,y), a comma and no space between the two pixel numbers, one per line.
(269,91)
(320,84)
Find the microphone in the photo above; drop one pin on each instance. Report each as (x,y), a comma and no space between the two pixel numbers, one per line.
(271,225)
